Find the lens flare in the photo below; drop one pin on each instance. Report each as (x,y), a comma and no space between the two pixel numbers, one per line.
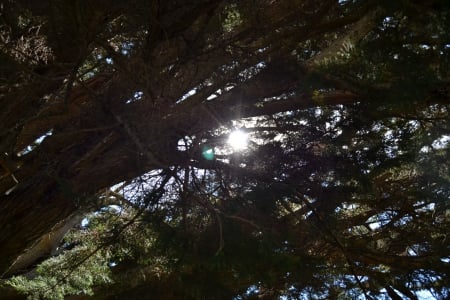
(208,152)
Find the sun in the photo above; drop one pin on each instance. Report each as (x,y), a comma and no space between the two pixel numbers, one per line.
(238,140)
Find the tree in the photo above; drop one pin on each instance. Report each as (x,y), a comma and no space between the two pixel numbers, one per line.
(118,114)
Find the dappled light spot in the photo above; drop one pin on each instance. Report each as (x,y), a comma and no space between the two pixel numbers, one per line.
(36,143)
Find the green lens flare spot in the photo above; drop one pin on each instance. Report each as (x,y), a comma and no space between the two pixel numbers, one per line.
(208,153)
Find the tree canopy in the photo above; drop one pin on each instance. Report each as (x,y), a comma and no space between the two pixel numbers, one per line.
(118,179)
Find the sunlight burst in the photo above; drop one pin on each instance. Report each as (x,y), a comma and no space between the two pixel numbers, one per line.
(238,140)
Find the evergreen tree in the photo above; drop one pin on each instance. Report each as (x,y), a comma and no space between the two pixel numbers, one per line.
(119,178)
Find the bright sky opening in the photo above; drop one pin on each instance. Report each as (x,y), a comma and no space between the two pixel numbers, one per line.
(238,140)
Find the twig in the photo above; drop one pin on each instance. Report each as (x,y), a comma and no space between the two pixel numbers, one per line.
(340,246)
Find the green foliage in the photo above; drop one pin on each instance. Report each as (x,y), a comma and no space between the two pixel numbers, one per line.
(232,18)
(65,275)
